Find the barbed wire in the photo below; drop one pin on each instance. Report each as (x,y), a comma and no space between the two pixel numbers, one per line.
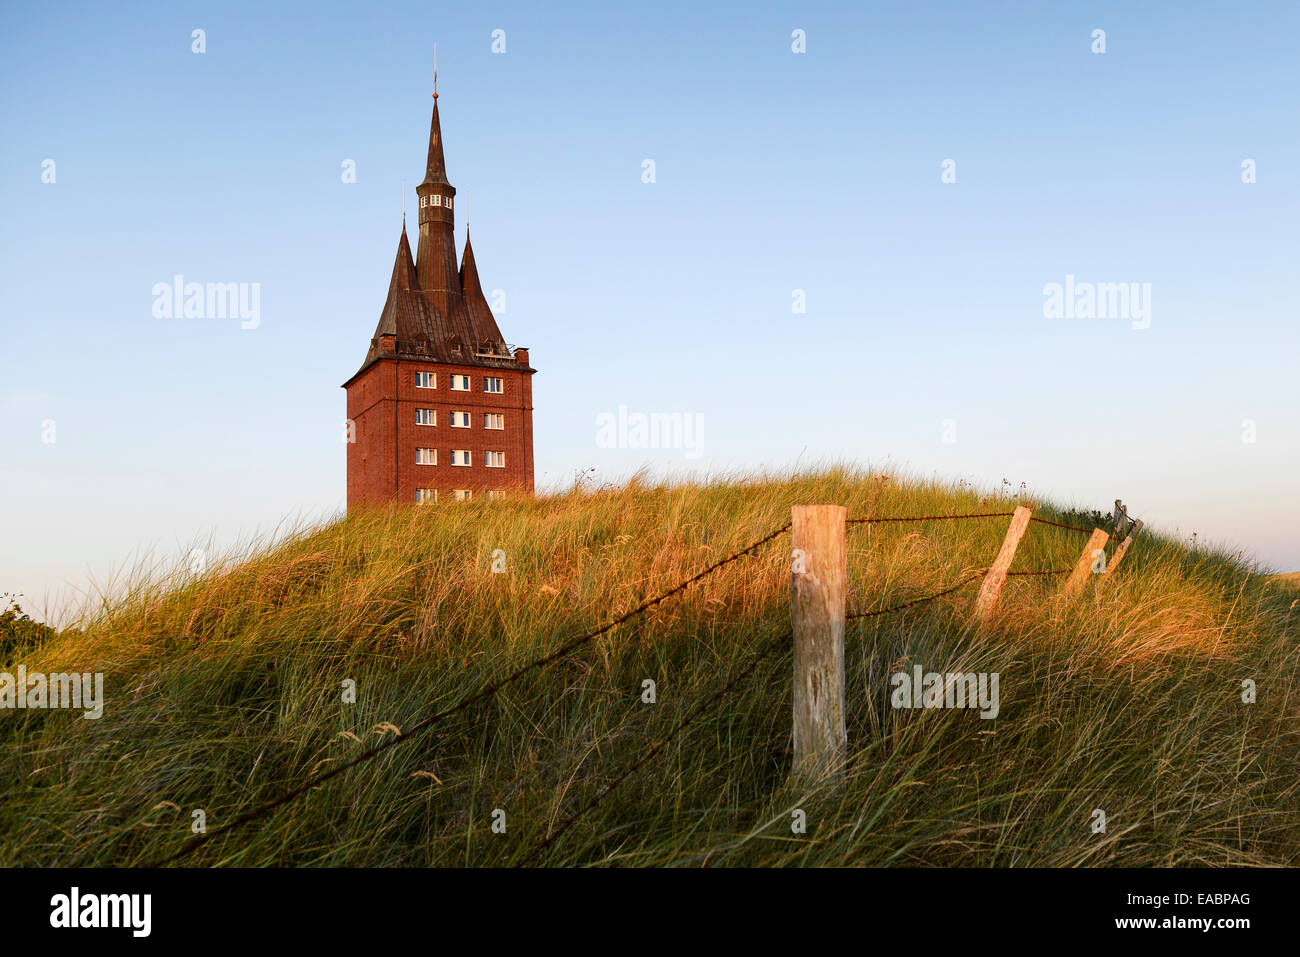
(937,518)
(1073,528)
(486,692)
(926,518)
(765,652)
(917,601)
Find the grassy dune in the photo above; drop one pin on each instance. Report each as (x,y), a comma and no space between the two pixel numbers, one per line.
(225,690)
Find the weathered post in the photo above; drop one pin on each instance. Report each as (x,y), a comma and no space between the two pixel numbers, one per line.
(1120,551)
(817,589)
(987,599)
(1083,567)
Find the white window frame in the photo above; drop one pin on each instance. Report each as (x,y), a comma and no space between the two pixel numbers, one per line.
(461,383)
(490,417)
(422,414)
(500,385)
(467,420)
(419,454)
(462,495)
(433,378)
(423,495)
(465,454)
(494,460)
(495,494)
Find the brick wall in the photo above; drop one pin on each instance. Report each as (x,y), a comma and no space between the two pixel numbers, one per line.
(382,402)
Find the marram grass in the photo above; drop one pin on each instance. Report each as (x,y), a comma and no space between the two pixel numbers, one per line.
(224,690)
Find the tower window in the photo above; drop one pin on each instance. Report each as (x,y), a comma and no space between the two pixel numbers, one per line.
(426,495)
(460,457)
(435,200)
(494,420)
(491,384)
(494,460)
(460,420)
(426,416)
(460,383)
(428,457)
(423,200)
(426,380)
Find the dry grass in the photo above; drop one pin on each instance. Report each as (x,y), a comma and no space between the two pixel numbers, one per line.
(224,690)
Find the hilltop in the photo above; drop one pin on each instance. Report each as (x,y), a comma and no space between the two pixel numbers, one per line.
(226,689)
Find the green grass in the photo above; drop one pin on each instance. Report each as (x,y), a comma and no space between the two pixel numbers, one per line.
(224,690)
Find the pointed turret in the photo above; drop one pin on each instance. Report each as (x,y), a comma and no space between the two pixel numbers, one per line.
(435,171)
(404,266)
(436,256)
(469,284)
(482,322)
(402,316)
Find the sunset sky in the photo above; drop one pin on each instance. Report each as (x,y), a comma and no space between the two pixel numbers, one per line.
(779,177)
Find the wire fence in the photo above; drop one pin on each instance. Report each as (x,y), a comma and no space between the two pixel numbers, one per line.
(1072,528)
(569,647)
(918,601)
(925,518)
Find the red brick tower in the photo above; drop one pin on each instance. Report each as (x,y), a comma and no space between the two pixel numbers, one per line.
(442,407)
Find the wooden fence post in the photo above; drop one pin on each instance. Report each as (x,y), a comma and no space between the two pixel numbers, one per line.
(817,594)
(1119,552)
(1083,567)
(987,599)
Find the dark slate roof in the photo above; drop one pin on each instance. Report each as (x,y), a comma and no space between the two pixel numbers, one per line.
(424,331)
(447,326)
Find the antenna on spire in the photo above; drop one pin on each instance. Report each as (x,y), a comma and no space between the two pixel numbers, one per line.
(435,69)
(403,204)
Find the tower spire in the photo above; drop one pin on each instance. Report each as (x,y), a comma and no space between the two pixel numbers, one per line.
(435,170)
(436,254)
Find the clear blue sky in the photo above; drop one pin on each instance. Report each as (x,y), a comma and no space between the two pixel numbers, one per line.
(775,171)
